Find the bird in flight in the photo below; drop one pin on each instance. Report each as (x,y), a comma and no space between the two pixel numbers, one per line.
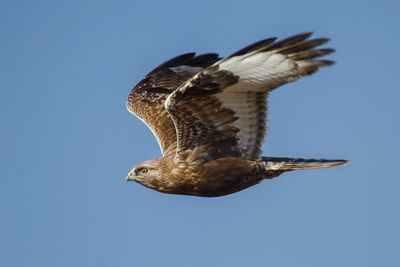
(209,116)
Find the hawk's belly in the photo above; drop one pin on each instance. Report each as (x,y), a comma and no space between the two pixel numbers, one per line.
(214,178)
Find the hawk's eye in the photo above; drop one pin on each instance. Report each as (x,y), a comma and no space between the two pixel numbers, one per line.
(142,171)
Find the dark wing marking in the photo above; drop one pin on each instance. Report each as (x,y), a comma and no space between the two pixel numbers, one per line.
(200,117)
(146,100)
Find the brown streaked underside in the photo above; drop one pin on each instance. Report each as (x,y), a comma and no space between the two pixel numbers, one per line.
(212,178)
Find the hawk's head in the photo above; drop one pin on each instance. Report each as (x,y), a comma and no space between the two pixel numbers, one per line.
(147,173)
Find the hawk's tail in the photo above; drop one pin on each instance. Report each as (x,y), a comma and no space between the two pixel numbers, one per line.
(291,164)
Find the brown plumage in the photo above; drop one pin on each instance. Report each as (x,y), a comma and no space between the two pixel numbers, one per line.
(209,116)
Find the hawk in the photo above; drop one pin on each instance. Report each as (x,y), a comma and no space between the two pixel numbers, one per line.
(209,116)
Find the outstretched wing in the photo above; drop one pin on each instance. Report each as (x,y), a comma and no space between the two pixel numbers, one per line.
(146,100)
(223,107)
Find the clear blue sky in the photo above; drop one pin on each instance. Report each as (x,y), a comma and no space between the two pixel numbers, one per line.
(67,141)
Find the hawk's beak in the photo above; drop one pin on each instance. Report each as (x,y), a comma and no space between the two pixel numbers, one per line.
(129,178)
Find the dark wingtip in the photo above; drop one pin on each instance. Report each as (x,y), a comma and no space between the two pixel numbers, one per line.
(255,46)
(203,60)
(175,61)
(306,35)
(298,38)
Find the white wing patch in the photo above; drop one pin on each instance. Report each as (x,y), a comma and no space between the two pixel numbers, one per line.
(261,71)
(250,108)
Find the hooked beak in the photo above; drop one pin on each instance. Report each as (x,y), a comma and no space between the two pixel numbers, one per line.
(129,177)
